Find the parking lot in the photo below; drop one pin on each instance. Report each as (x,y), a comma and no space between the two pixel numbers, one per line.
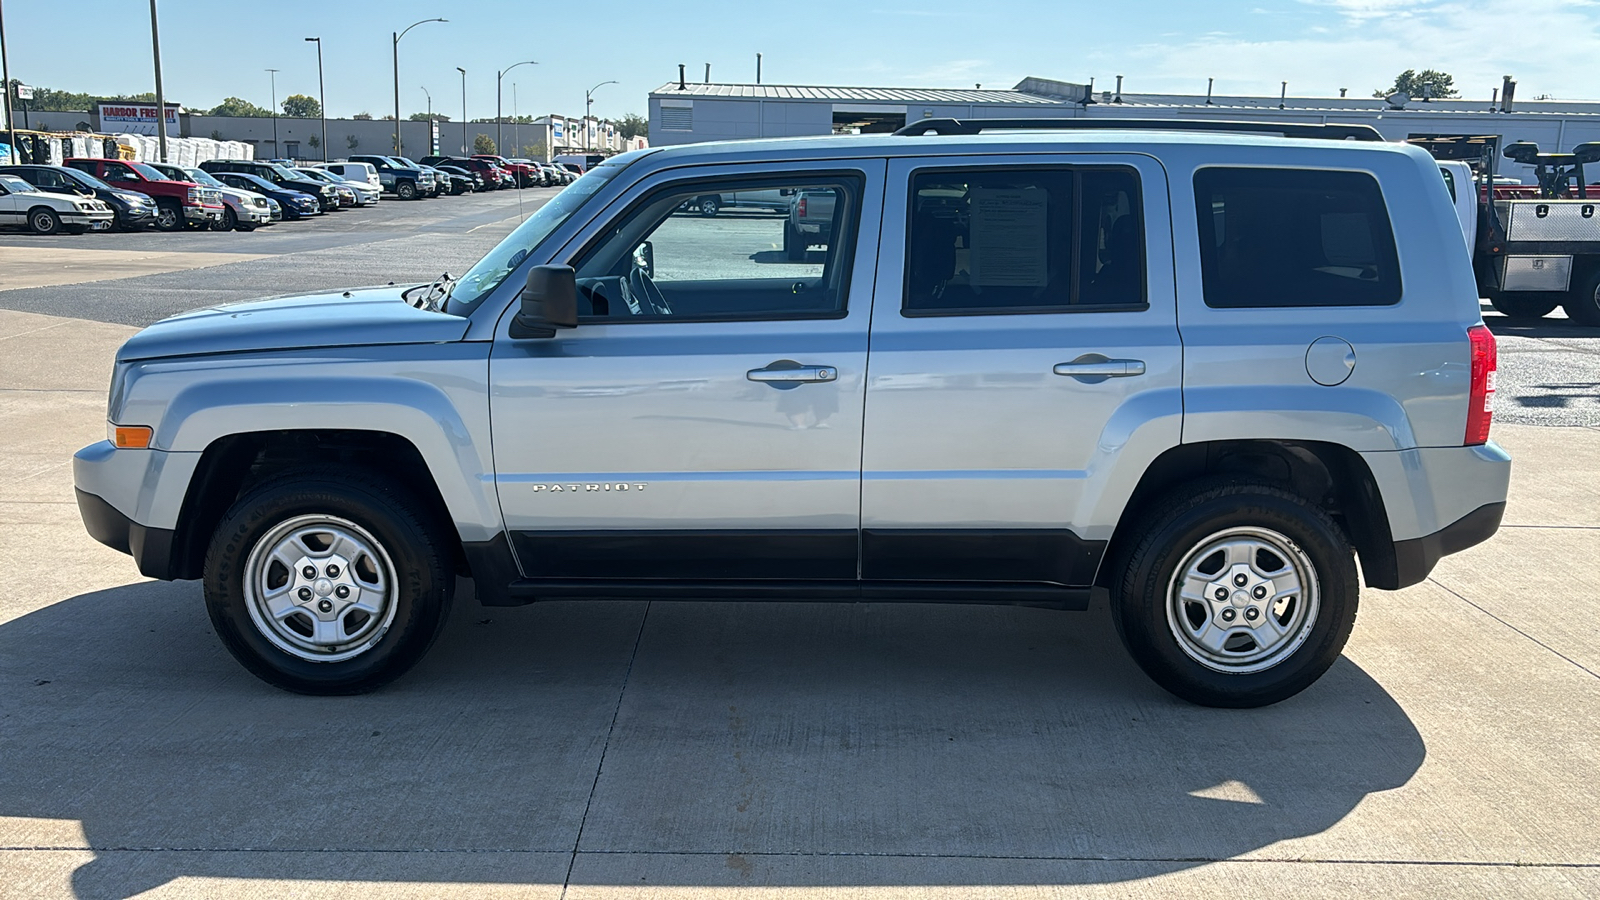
(691,749)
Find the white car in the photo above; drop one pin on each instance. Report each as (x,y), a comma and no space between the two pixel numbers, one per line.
(25,206)
(365,173)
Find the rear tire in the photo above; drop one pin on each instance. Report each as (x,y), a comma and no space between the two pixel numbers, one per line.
(1288,593)
(1583,304)
(376,597)
(43,220)
(1524,304)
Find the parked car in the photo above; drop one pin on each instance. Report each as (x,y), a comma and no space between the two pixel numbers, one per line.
(1097,359)
(432,187)
(244,210)
(350,193)
(366,173)
(580,162)
(452,183)
(24,206)
(295,204)
(404,180)
(493,176)
(810,222)
(474,180)
(522,174)
(178,203)
(132,210)
(770,200)
(327,195)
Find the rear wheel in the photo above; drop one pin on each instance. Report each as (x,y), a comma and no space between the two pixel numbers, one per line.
(1583,304)
(1524,304)
(1236,594)
(328,581)
(43,220)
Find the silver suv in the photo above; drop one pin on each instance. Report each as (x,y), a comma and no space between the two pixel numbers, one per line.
(1206,367)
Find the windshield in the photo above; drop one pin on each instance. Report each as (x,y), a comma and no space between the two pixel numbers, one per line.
(285,173)
(148,172)
(256,182)
(500,262)
(314,175)
(201,176)
(87,180)
(405,162)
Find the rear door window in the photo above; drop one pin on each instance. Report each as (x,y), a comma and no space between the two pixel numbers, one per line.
(1024,240)
(1294,237)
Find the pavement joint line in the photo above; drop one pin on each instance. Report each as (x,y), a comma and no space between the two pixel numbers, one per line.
(1530,637)
(831,854)
(1557,527)
(17,390)
(577,841)
(19,334)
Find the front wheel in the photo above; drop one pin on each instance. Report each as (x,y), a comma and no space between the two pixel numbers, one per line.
(1583,304)
(169,217)
(710,206)
(328,581)
(43,220)
(228,222)
(405,190)
(1236,594)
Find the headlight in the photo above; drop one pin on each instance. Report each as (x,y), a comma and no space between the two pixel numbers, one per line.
(259,201)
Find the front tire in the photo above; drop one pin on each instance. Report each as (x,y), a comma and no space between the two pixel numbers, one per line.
(405,190)
(169,216)
(43,220)
(328,581)
(710,206)
(1236,594)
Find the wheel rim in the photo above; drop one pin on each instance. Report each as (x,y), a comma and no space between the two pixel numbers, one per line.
(43,222)
(1243,600)
(166,218)
(337,612)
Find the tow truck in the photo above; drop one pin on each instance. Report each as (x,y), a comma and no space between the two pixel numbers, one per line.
(1534,247)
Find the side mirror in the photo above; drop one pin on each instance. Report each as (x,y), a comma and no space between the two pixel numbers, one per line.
(644,259)
(549,302)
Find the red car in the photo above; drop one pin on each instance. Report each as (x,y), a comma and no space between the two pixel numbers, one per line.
(523,175)
(178,203)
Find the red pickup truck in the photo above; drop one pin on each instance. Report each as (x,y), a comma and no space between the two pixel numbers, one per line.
(526,175)
(178,203)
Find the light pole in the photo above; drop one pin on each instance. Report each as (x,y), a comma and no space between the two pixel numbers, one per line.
(274,75)
(161,100)
(322,98)
(5,76)
(397,36)
(516,123)
(497,117)
(463,109)
(588,104)
(430,118)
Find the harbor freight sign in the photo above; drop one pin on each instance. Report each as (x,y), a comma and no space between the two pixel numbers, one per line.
(135,118)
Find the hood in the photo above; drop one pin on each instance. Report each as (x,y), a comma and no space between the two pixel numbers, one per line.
(352,318)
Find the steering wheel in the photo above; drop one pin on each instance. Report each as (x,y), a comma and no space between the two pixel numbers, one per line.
(642,295)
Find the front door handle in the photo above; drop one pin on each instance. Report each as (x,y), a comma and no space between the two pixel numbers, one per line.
(1096,366)
(787,371)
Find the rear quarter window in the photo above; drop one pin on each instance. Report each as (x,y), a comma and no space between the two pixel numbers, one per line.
(1294,237)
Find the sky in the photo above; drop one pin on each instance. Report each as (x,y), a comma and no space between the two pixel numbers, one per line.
(212,50)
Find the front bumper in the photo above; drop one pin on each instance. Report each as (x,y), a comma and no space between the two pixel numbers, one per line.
(202,215)
(98,220)
(130,500)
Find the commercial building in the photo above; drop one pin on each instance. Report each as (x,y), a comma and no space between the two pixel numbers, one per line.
(686,112)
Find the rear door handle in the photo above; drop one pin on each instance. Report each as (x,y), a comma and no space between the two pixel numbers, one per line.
(1100,367)
(789,372)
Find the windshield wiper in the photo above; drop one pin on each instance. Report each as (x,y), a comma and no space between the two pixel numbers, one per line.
(434,298)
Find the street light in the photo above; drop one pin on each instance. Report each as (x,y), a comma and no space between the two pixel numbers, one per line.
(463,109)
(274,75)
(161,100)
(588,103)
(497,77)
(430,117)
(5,76)
(322,98)
(397,36)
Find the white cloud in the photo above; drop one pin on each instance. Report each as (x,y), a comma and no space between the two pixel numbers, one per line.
(1548,45)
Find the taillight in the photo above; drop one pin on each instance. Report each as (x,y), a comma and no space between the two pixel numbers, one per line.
(1480,411)
(800,208)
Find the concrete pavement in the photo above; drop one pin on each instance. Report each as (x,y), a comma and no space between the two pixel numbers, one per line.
(676,750)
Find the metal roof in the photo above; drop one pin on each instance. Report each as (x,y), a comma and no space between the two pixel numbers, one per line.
(828,93)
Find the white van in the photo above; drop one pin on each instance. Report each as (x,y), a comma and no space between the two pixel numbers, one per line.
(354,171)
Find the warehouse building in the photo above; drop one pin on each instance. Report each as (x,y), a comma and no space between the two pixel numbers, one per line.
(686,112)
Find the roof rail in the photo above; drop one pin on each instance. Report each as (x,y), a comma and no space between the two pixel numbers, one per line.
(1287,129)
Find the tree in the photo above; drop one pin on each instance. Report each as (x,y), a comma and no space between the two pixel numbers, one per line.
(49,100)
(1427,83)
(233,106)
(301,106)
(362,117)
(483,144)
(631,126)
(535,150)
(314,141)
(423,117)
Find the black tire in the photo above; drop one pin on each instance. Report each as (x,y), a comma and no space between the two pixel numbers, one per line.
(169,215)
(43,220)
(398,525)
(794,245)
(405,190)
(1524,304)
(1583,305)
(1175,533)
(230,220)
(709,206)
